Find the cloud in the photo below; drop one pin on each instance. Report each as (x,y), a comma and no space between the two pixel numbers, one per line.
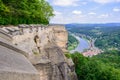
(68,19)
(103,16)
(65,2)
(105,1)
(85,11)
(77,12)
(92,13)
(84,3)
(64,18)
(116,9)
(58,18)
(57,13)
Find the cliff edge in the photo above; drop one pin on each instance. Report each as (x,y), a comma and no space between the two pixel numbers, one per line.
(41,49)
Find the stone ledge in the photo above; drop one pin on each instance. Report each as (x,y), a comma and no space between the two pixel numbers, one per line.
(4,34)
(12,47)
(15,66)
(6,75)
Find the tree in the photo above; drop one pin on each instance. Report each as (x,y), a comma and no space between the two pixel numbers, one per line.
(100,67)
(25,12)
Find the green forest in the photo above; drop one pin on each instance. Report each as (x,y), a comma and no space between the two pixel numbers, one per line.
(105,66)
(72,42)
(13,12)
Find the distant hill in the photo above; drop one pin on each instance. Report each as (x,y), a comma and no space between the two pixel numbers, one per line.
(92,25)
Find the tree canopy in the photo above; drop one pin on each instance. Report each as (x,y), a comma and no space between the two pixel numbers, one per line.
(105,66)
(25,12)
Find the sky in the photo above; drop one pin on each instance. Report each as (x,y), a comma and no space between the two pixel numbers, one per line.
(85,11)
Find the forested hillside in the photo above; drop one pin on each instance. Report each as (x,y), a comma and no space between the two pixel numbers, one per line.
(72,42)
(25,12)
(104,66)
(106,36)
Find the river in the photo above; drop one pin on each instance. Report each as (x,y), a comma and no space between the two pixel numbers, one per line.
(83,44)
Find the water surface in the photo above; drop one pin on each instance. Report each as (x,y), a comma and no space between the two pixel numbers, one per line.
(83,44)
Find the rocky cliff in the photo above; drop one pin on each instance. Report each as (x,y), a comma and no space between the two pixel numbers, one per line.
(41,49)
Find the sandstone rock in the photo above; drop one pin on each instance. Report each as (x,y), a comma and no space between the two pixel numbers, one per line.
(61,37)
(5,35)
(44,47)
(14,66)
(5,43)
(45,71)
(60,68)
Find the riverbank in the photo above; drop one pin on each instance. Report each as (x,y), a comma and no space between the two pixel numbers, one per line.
(92,50)
(86,47)
(82,46)
(72,42)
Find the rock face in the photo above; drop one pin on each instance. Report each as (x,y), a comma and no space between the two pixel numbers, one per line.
(15,66)
(61,37)
(44,47)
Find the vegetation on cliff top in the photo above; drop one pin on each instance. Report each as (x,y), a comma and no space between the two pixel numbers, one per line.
(25,12)
(105,66)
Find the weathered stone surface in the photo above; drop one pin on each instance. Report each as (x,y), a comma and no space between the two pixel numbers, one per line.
(54,53)
(14,66)
(45,70)
(61,37)
(45,49)
(5,43)
(5,35)
(61,70)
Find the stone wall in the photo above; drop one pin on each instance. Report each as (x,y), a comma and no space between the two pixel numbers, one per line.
(24,36)
(45,47)
(15,66)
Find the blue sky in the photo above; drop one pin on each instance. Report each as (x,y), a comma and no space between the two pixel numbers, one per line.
(85,11)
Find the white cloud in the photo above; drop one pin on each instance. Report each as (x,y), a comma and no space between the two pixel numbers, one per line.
(69,19)
(62,18)
(58,18)
(105,1)
(103,16)
(77,12)
(92,13)
(65,2)
(84,3)
(116,9)
(57,13)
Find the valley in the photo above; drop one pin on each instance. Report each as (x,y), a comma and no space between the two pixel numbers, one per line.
(102,36)
(101,61)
